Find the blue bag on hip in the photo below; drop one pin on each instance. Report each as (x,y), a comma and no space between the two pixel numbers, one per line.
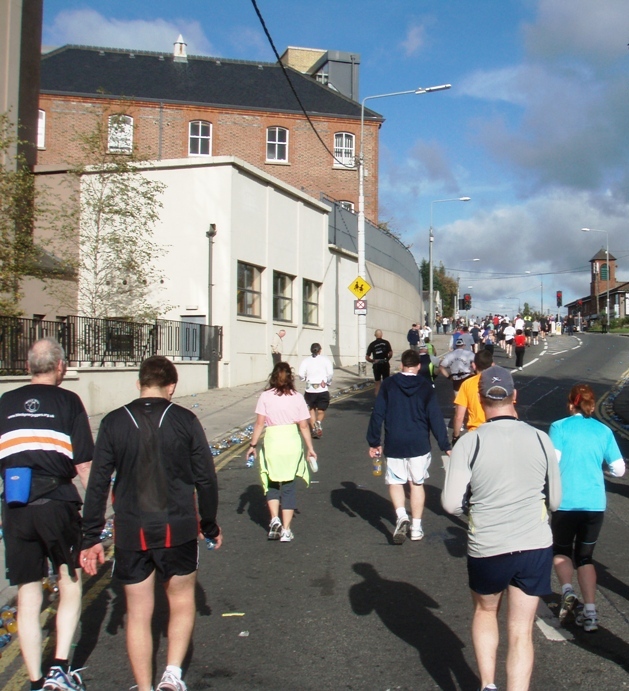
(17,486)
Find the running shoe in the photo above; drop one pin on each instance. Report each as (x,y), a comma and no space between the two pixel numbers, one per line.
(58,680)
(589,622)
(318,430)
(568,603)
(401,530)
(275,529)
(287,535)
(416,533)
(170,682)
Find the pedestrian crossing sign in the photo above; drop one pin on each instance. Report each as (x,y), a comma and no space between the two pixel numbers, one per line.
(359,287)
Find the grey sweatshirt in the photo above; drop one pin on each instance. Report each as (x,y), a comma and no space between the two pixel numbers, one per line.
(500,471)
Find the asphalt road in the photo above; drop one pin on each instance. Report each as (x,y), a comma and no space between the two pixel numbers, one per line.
(341,607)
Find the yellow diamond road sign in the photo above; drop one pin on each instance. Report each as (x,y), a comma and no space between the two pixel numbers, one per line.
(359,287)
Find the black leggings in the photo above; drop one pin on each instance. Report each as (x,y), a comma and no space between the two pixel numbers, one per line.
(519,356)
(575,534)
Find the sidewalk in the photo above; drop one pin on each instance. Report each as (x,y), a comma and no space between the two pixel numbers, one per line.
(226,413)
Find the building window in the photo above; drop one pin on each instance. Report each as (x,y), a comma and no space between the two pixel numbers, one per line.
(282,297)
(347,205)
(277,144)
(604,272)
(200,138)
(248,293)
(120,134)
(41,130)
(311,302)
(344,149)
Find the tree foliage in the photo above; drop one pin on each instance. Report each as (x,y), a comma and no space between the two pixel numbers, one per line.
(446,285)
(105,231)
(16,219)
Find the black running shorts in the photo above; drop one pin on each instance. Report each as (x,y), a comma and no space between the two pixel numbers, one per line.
(381,370)
(320,401)
(45,529)
(131,566)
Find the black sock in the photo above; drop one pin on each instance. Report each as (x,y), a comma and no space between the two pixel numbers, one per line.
(61,663)
(37,685)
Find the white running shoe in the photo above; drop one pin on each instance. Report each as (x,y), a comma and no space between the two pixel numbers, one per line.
(401,530)
(275,529)
(416,533)
(170,682)
(287,535)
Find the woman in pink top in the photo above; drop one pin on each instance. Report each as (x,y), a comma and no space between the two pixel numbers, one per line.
(285,414)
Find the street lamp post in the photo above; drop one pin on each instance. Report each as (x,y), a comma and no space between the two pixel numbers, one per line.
(360,239)
(431,239)
(594,230)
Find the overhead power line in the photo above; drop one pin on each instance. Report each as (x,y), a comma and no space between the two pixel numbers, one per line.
(292,88)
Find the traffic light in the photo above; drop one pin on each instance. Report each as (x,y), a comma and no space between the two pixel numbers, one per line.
(559,298)
(467,301)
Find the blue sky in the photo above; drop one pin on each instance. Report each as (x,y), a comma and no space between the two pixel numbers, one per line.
(534,129)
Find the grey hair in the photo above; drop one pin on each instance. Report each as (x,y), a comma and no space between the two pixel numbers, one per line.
(44,356)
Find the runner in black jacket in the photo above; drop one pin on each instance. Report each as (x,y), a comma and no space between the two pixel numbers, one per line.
(160,456)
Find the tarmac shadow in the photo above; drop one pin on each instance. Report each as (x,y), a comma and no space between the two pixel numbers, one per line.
(607,580)
(406,611)
(603,643)
(359,502)
(252,500)
(620,488)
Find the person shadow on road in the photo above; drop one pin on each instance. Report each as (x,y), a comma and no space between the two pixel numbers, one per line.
(406,611)
(370,506)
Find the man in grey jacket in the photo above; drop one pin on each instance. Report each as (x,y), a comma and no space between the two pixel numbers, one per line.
(507,475)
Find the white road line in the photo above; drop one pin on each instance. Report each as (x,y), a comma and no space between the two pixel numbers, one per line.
(549,625)
(575,347)
(531,362)
(559,352)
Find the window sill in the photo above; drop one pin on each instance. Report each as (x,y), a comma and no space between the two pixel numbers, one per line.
(336,166)
(251,320)
(277,163)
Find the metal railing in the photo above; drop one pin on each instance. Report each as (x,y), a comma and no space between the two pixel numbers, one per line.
(108,342)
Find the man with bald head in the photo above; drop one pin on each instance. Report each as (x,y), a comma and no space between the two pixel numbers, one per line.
(379,353)
(45,441)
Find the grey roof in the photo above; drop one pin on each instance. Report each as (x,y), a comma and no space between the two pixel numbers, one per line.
(602,254)
(148,76)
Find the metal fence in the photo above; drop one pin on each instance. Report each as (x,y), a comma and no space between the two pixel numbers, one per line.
(108,342)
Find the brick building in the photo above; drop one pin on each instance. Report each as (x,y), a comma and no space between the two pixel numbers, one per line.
(172,106)
(602,283)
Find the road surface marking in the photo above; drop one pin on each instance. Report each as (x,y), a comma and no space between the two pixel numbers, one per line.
(549,625)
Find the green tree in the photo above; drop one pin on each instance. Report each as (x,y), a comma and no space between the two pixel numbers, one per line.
(17,192)
(446,285)
(105,232)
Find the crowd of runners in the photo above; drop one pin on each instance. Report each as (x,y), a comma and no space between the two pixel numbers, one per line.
(533,500)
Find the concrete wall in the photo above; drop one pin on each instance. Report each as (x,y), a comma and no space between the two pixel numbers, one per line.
(104,388)
(261,221)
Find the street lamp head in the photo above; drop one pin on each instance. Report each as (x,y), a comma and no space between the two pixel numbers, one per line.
(586,230)
(465,199)
(430,89)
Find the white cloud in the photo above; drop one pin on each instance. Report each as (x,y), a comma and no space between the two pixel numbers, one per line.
(88,27)
(251,42)
(415,39)
(541,235)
